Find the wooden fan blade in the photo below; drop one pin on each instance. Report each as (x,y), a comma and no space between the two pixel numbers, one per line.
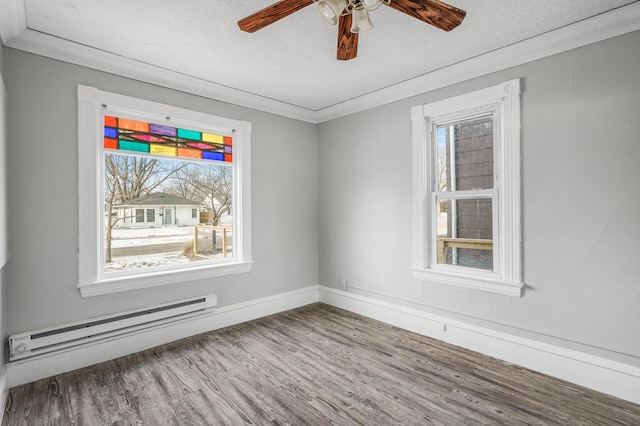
(347,41)
(440,15)
(271,14)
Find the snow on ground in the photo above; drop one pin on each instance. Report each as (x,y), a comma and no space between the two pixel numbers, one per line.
(147,236)
(137,262)
(121,237)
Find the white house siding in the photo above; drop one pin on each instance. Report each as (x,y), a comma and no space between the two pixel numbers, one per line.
(183,214)
(179,216)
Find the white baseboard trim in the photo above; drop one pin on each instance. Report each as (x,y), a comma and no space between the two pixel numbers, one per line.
(600,374)
(29,370)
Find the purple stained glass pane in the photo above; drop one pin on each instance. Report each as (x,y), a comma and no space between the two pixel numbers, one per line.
(227,149)
(162,130)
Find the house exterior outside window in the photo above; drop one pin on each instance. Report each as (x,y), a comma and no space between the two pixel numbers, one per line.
(466,190)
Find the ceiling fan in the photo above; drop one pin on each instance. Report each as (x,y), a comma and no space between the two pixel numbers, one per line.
(352,17)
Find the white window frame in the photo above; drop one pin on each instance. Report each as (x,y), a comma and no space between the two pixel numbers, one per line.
(504,101)
(92,104)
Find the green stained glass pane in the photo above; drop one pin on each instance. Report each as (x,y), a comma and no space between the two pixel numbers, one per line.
(133,146)
(189,134)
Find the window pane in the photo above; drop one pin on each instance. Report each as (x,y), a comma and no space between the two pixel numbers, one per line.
(465,155)
(170,192)
(465,232)
(130,135)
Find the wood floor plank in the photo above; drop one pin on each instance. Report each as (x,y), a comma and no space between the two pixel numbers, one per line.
(315,365)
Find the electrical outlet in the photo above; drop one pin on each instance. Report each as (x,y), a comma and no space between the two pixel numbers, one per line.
(344,285)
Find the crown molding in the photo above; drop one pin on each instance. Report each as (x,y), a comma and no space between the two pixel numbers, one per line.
(602,27)
(12,19)
(67,51)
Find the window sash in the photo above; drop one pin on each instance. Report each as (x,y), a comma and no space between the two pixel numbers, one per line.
(91,191)
(437,197)
(503,99)
(137,215)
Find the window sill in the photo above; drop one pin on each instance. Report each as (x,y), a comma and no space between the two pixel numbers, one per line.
(474,283)
(122,284)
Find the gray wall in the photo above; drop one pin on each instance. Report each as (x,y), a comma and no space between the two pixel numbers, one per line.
(581,204)
(43,198)
(580,144)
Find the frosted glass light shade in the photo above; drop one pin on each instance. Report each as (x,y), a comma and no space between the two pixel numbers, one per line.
(331,10)
(360,22)
(371,4)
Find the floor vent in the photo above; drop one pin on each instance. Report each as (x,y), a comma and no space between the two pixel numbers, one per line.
(26,345)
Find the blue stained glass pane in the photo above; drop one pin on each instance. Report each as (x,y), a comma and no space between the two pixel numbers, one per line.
(189,134)
(110,132)
(162,130)
(208,155)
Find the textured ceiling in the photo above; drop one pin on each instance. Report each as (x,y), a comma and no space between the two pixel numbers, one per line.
(293,60)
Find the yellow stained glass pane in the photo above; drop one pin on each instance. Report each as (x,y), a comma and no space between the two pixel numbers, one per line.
(163,149)
(208,137)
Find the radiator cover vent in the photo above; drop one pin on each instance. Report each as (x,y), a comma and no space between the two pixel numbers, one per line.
(47,340)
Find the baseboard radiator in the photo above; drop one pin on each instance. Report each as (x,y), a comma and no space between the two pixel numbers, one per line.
(52,339)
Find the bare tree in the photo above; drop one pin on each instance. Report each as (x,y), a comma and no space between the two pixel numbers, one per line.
(128,178)
(210,185)
(181,184)
(213,187)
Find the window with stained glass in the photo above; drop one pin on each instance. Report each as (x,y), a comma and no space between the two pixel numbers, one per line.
(138,136)
(154,176)
(178,171)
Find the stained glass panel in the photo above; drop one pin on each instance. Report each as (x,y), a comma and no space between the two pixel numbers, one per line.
(131,135)
(133,146)
(189,134)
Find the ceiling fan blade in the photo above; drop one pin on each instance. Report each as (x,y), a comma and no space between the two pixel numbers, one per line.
(347,41)
(271,14)
(440,15)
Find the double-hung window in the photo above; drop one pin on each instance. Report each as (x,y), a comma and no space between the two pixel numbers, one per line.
(145,171)
(466,177)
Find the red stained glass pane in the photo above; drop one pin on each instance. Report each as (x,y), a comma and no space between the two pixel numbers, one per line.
(138,126)
(149,138)
(200,145)
(110,121)
(228,158)
(110,143)
(228,140)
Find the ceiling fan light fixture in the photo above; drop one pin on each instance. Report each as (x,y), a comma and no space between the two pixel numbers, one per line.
(331,9)
(360,22)
(371,4)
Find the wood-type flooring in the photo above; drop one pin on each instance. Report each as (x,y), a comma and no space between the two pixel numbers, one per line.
(315,365)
